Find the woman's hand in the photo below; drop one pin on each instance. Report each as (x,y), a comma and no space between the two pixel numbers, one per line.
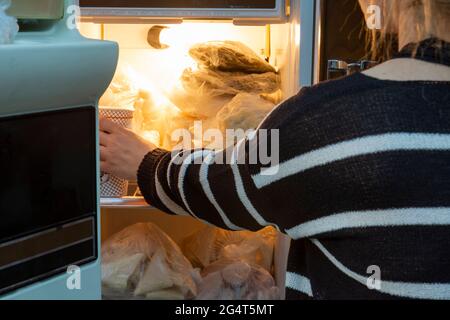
(121,150)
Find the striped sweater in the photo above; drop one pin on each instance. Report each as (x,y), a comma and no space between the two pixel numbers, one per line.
(362,188)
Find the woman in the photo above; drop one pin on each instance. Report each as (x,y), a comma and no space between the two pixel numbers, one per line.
(363,186)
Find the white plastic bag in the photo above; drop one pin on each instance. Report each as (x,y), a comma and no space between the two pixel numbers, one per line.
(225,69)
(8,25)
(245,111)
(219,82)
(142,261)
(121,93)
(211,244)
(229,279)
(229,56)
(199,102)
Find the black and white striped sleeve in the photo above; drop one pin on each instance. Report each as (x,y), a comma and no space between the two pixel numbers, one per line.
(220,187)
(207,185)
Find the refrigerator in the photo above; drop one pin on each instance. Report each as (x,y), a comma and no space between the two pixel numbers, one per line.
(54,215)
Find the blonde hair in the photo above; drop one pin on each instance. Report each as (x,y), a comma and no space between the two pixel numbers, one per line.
(407,21)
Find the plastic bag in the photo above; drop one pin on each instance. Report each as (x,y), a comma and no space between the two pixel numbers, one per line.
(8,25)
(245,111)
(141,261)
(121,93)
(232,83)
(237,280)
(211,244)
(229,56)
(226,69)
(200,102)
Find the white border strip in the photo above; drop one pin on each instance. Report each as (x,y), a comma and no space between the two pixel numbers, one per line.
(298,283)
(374,218)
(183,169)
(166,200)
(434,291)
(204,170)
(169,166)
(353,148)
(241,190)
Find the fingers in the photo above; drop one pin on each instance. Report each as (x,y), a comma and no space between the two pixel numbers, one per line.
(108,126)
(103,153)
(104,167)
(104,139)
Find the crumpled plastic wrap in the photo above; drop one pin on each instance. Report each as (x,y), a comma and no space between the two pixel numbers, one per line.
(245,111)
(229,279)
(121,93)
(8,25)
(199,102)
(141,262)
(231,56)
(211,244)
(231,88)
(219,83)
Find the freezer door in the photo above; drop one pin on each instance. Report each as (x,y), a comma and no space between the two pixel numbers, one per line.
(255,10)
(48,195)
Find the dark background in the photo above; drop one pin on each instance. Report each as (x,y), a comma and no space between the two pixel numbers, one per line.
(346,37)
(47,169)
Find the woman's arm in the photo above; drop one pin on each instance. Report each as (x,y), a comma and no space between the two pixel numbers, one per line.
(211,186)
(216,187)
(241,187)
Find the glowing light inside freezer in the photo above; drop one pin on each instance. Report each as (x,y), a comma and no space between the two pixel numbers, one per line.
(297,33)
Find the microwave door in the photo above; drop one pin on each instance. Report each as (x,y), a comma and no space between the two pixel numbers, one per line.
(48,200)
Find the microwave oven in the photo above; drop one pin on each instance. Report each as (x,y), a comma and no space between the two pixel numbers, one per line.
(51,79)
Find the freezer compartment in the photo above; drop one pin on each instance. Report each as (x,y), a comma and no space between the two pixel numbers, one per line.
(240,11)
(158,76)
(116,218)
(150,73)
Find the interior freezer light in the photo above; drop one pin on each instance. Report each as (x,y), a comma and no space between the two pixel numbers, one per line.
(297,34)
(184,36)
(162,37)
(154,37)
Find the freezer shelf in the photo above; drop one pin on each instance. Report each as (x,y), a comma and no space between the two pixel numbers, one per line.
(124,203)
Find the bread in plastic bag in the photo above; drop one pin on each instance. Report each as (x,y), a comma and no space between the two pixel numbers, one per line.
(229,279)
(229,56)
(8,25)
(245,111)
(141,260)
(210,244)
(232,83)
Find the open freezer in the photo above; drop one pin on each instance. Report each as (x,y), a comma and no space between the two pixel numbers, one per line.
(156,63)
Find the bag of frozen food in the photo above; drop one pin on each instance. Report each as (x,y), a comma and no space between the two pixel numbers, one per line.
(8,25)
(245,111)
(141,261)
(121,93)
(225,69)
(229,56)
(200,103)
(232,83)
(229,279)
(211,244)
(193,135)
